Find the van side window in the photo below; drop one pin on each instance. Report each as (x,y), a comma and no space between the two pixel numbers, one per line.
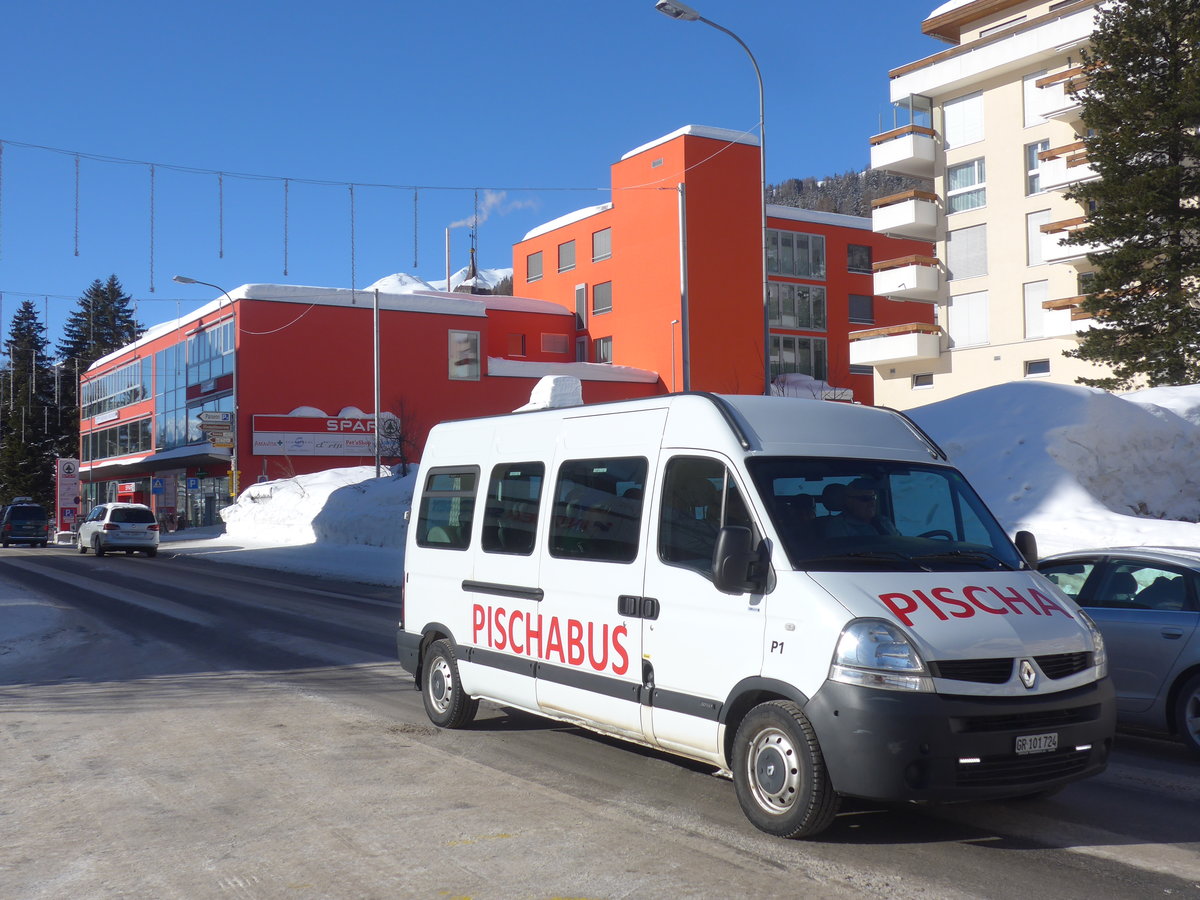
(511,515)
(598,509)
(447,508)
(699,497)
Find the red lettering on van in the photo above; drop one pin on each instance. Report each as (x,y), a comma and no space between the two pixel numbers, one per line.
(1016,601)
(574,642)
(1049,607)
(970,592)
(478,619)
(891,601)
(620,668)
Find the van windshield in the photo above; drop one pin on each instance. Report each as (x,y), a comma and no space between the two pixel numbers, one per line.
(875,515)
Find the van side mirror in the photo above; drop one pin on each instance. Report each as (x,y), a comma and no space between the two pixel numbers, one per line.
(1027,544)
(738,565)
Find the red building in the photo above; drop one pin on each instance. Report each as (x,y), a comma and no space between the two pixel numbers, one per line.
(291,369)
(668,276)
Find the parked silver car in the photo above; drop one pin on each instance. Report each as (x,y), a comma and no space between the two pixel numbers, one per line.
(1145,601)
(119,526)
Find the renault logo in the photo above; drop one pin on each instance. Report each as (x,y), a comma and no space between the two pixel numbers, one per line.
(1028,674)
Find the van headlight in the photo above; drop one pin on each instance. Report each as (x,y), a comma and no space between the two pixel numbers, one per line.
(1100,654)
(875,653)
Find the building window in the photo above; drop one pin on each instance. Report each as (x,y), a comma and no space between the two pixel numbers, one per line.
(962,120)
(464,356)
(858,259)
(1034,238)
(793,353)
(1034,98)
(924,380)
(533,266)
(1039,321)
(966,186)
(120,440)
(969,319)
(566,256)
(510,516)
(862,309)
(555,343)
(796,305)
(966,252)
(581,349)
(601,245)
(117,388)
(603,349)
(516,345)
(581,306)
(1033,166)
(602,298)
(992,29)
(858,369)
(796,255)
(1035,368)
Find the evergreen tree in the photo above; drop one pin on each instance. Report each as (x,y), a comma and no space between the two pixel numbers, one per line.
(28,412)
(1141,106)
(103,321)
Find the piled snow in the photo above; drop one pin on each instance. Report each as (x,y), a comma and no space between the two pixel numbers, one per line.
(1079,467)
(347,507)
(399,283)
(554,391)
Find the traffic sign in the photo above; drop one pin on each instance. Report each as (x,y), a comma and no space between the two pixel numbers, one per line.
(216,443)
(216,426)
(214,416)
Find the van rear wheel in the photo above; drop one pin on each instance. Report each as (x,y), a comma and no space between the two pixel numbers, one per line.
(779,773)
(445,702)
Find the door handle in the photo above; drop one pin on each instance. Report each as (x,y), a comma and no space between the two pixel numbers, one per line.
(634,607)
(1172,634)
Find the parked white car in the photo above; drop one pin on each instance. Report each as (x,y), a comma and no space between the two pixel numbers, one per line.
(119,526)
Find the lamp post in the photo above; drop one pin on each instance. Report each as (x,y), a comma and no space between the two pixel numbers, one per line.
(684,13)
(233,451)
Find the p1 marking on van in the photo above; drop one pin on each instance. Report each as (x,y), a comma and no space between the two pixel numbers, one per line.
(805,594)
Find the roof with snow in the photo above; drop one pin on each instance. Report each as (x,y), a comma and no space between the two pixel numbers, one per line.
(705,131)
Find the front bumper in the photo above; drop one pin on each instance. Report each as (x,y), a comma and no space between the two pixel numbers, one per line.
(890,745)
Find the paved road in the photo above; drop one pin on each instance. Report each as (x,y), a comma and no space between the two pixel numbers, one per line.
(171,728)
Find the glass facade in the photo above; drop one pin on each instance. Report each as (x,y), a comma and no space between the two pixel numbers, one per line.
(120,387)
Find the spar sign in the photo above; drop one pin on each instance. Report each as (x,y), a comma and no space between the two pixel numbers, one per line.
(321,435)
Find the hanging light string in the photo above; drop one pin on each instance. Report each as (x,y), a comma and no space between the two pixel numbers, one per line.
(168,167)
(76,204)
(152,228)
(285,226)
(220,215)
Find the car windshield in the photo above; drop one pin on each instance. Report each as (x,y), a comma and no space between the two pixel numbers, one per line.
(132,516)
(876,515)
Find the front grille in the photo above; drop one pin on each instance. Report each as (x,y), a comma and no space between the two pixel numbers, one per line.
(1060,665)
(1031,722)
(1015,770)
(983,671)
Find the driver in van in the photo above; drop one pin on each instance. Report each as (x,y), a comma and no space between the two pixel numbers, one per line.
(860,513)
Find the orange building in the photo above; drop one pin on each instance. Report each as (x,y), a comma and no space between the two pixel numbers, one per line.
(668,276)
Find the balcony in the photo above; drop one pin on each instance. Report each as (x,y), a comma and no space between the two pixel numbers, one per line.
(895,343)
(909,278)
(911,214)
(905,151)
(1071,303)
(1054,251)
(1064,166)
(1057,101)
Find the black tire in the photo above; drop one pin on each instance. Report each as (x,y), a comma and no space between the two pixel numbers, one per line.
(82,548)
(97,547)
(150,553)
(1187,714)
(441,690)
(779,772)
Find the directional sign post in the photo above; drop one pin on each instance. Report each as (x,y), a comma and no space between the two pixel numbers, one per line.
(214,417)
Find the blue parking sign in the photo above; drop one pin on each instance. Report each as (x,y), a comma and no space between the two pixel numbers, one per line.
(156,485)
(193,484)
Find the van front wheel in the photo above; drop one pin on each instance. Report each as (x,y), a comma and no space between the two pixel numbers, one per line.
(445,703)
(779,772)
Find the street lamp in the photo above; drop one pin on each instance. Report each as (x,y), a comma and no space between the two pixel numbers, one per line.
(684,13)
(233,451)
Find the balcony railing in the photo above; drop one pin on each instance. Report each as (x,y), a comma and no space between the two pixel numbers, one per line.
(905,151)
(1054,251)
(1057,101)
(895,343)
(1064,166)
(909,278)
(908,214)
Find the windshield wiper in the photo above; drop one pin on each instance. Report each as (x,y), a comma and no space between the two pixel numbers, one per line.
(876,556)
(977,556)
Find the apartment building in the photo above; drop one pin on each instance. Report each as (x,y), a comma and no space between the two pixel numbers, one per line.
(991,124)
(668,276)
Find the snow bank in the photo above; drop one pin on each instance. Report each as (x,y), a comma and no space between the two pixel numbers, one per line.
(1079,467)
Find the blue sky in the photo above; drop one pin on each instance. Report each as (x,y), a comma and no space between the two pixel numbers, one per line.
(528,101)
